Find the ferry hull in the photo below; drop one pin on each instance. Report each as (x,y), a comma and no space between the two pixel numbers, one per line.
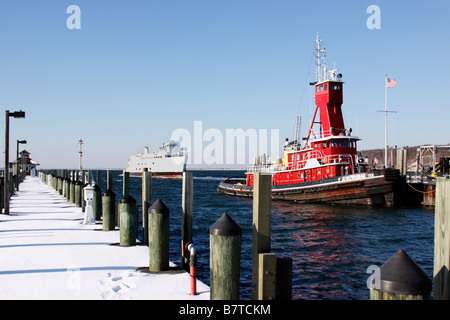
(159,174)
(371,188)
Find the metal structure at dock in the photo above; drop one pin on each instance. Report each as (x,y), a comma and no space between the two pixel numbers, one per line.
(419,177)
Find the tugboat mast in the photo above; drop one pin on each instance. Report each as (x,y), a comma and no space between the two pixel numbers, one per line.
(321,71)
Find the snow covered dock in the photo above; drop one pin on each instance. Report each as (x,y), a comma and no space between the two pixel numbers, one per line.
(46,252)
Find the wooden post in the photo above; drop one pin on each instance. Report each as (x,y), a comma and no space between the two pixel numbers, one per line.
(441,272)
(60,179)
(225,238)
(284,278)
(158,236)
(117,212)
(68,182)
(128,221)
(2,190)
(262,202)
(146,200)
(72,191)
(109,210)
(401,279)
(65,188)
(186,217)
(126,183)
(97,203)
(429,195)
(109,180)
(6,166)
(78,193)
(267,276)
(99,179)
(83,201)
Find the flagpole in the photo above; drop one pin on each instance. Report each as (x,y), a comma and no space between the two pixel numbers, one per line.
(385,121)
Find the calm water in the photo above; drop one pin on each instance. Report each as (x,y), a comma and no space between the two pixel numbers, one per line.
(331,246)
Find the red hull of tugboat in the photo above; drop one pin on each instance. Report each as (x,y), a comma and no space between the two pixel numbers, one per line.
(371,188)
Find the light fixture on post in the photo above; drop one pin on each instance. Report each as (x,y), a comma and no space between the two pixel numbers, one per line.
(6,193)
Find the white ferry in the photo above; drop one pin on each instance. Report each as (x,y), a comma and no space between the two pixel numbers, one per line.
(169,161)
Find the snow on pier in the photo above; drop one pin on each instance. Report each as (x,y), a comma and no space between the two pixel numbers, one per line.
(46,252)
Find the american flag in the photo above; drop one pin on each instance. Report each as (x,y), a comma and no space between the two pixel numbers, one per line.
(390,83)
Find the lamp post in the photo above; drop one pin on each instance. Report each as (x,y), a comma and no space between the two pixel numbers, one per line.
(15,114)
(17,163)
(81,154)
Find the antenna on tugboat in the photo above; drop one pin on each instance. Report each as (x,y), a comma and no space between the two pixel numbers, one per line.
(320,63)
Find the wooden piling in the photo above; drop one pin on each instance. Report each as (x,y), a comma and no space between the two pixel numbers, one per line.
(186,217)
(2,189)
(225,257)
(146,200)
(401,279)
(262,203)
(99,178)
(441,272)
(109,210)
(78,193)
(126,183)
(267,276)
(97,203)
(284,278)
(158,236)
(83,201)
(109,180)
(128,221)
(72,191)
(66,188)
(60,184)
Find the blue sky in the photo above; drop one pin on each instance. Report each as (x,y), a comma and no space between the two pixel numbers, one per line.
(138,70)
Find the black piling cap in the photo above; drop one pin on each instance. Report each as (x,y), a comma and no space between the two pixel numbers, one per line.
(109,193)
(401,275)
(158,207)
(128,199)
(225,226)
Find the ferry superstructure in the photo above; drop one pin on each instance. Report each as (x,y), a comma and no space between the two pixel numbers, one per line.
(168,161)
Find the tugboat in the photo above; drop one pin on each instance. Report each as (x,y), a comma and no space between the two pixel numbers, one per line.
(327,167)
